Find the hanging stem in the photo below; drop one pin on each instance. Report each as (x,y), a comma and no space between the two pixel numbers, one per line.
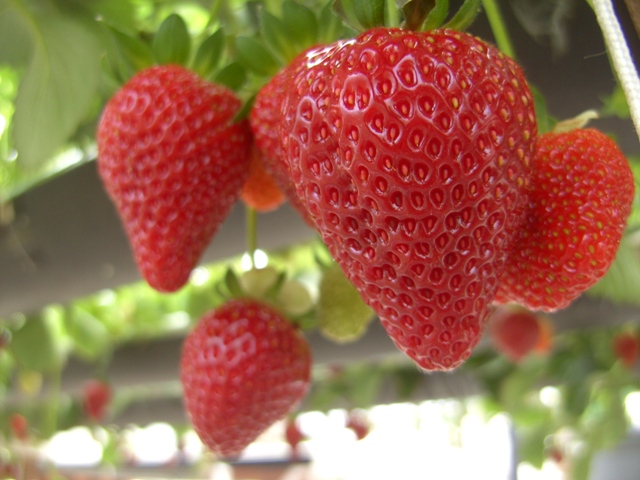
(496,21)
(252,234)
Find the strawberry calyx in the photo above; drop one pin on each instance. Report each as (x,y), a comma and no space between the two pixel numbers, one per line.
(579,121)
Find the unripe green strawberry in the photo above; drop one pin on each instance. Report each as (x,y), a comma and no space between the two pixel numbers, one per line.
(341,313)
(581,197)
(173,162)
(411,153)
(243,368)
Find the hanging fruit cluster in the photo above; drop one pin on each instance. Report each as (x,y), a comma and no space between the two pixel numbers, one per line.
(415,154)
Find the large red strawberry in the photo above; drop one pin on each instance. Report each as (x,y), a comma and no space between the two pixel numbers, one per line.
(581,197)
(173,162)
(243,367)
(410,151)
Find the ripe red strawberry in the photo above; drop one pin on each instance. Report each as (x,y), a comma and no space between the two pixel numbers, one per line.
(96,398)
(358,423)
(581,198)
(410,151)
(19,426)
(243,368)
(260,191)
(514,331)
(173,162)
(626,348)
(293,436)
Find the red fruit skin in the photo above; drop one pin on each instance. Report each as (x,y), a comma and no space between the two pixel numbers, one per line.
(265,120)
(260,191)
(243,368)
(174,163)
(357,422)
(293,436)
(626,348)
(514,331)
(581,198)
(410,151)
(19,426)
(96,398)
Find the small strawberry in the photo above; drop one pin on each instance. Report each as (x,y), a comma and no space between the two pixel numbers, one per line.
(260,191)
(514,331)
(243,367)
(581,198)
(358,423)
(626,348)
(96,396)
(341,313)
(293,436)
(410,151)
(174,163)
(19,426)
(547,333)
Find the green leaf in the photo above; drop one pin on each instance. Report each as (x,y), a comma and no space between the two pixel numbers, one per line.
(233,284)
(330,26)
(16,42)
(172,44)
(435,16)
(128,54)
(209,54)
(58,86)
(276,36)
(302,25)
(545,121)
(465,15)
(361,14)
(118,13)
(621,283)
(256,57)
(615,104)
(232,76)
(36,346)
(89,335)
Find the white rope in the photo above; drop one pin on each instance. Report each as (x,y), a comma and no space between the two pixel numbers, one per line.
(622,61)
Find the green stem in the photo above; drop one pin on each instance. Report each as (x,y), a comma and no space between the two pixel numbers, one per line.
(252,234)
(496,21)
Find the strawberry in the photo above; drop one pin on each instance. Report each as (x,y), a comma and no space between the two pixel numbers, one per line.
(174,163)
(410,151)
(243,368)
(358,423)
(265,120)
(581,198)
(514,331)
(96,397)
(293,436)
(341,313)
(19,426)
(626,348)
(260,191)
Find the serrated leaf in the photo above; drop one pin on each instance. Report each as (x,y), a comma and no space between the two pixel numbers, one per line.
(36,346)
(330,26)
(465,15)
(132,54)
(232,76)
(361,14)
(276,36)
(57,88)
(301,23)
(256,57)
(172,43)
(209,54)
(437,14)
(621,283)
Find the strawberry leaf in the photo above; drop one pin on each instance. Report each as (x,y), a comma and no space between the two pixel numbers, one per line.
(232,76)
(301,23)
(128,54)
(172,44)
(232,284)
(436,16)
(58,86)
(361,14)
(330,26)
(256,57)
(209,54)
(276,36)
(465,15)
(37,330)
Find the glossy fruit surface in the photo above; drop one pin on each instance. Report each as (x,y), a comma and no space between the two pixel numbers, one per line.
(260,190)
(173,162)
(410,151)
(243,368)
(581,198)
